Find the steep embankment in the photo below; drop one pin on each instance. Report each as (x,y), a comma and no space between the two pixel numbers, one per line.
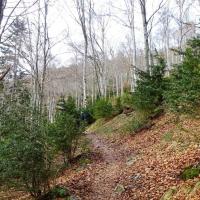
(142,166)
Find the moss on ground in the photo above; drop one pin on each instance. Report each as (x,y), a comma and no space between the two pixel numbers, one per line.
(117,125)
(190,172)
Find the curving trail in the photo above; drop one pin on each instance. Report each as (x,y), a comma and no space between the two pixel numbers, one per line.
(108,174)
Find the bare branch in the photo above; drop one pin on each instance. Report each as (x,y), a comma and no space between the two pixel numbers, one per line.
(9,16)
(161,4)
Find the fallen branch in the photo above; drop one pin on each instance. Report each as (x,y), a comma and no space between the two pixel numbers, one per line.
(4,74)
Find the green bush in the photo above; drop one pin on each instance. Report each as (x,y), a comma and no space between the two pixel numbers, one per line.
(148,94)
(183,93)
(117,106)
(25,155)
(102,109)
(64,133)
(127,100)
(68,106)
(59,192)
(56,192)
(87,114)
(66,129)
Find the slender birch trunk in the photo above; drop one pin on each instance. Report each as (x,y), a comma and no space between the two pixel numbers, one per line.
(81,11)
(145,34)
(134,56)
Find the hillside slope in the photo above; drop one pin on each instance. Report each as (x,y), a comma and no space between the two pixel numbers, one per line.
(145,166)
(141,166)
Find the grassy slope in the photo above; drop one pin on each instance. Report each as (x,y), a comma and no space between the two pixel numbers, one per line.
(117,125)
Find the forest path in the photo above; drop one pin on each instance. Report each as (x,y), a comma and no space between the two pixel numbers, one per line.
(106,176)
(142,166)
(109,154)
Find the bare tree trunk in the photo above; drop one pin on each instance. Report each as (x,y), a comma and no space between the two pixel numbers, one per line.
(146,31)
(103,57)
(81,10)
(134,57)
(167,44)
(36,80)
(146,35)
(122,85)
(76,83)
(52,105)
(117,84)
(130,9)
(98,49)
(180,4)
(113,85)
(151,51)
(45,55)
(84,75)
(2,7)
(92,93)
(168,57)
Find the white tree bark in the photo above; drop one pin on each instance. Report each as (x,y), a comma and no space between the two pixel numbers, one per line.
(122,84)
(98,47)
(145,33)
(81,11)
(147,30)
(130,5)
(45,53)
(117,84)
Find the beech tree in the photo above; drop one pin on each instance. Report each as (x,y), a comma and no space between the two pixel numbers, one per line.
(147,28)
(99,21)
(130,6)
(2,7)
(82,20)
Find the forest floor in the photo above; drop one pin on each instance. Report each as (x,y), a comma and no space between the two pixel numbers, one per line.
(142,166)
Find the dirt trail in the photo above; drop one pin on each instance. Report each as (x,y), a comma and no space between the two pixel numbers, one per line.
(107,174)
(109,154)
